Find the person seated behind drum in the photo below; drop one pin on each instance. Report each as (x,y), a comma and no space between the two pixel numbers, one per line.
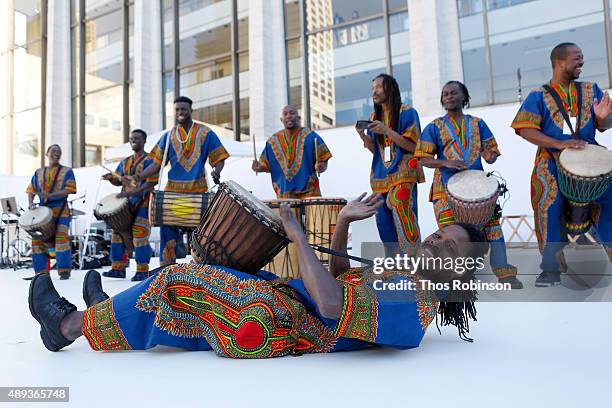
(190,144)
(456,142)
(52,185)
(294,157)
(138,196)
(540,122)
(203,307)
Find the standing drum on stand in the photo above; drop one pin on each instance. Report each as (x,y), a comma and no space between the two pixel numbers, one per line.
(320,218)
(472,195)
(285,264)
(583,176)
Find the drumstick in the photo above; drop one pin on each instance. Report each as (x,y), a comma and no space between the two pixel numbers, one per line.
(254,152)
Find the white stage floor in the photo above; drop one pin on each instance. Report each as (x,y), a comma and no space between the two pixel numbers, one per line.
(524,355)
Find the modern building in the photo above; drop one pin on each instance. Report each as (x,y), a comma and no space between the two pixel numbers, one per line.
(82,73)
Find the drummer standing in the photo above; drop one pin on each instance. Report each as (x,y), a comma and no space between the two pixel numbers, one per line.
(456,142)
(294,157)
(52,185)
(392,138)
(191,143)
(139,203)
(541,122)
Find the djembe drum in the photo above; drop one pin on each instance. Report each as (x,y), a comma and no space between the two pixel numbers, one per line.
(320,217)
(172,209)
(39,223)
(472,196)
(238,231)
(117,214)
(583,176)
(285,264)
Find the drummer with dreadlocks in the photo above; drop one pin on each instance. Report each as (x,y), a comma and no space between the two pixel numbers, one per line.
(562,114)
(197,306)
(457,142)
(392,138)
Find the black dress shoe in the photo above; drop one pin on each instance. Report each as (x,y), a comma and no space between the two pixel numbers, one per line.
(92,289)
(48,308)
(140,276)
(114,273)
(513,281)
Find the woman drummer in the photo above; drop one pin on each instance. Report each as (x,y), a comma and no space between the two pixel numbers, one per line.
(52,185)
(456,142)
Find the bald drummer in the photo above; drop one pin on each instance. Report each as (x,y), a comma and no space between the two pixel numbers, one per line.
(294,157)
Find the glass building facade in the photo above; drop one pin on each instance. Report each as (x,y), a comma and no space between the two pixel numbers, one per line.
(506,44)
(22,87)
(347,43)
(332,51)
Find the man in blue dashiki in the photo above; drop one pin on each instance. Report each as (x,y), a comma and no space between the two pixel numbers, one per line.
(191,143)
(139,202)
(453,143)
(392,138)
(291,159)
(541,122)
(52,185)
(204,307)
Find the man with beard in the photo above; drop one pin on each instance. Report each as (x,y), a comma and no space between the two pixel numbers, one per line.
(238,315)
(190,143)
(294,157)
(392,138)
(52,185)
(139,202)
(540,121)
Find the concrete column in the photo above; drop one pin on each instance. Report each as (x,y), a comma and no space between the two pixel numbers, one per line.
(147,98)
(435,48)
(6,89)
(58,125)
(267,74)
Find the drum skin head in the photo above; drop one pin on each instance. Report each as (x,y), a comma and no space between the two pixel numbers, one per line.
(110,204)
(35,216)
(472,185)
(592,161)
(253,202)
(291,202)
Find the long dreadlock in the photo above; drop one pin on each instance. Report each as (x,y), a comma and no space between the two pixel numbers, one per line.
(458,307)
(394,100)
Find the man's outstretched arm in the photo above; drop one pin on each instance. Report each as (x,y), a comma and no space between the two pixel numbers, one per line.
(319,282)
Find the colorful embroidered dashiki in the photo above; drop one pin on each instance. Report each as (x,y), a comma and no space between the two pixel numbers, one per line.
(52,180)
(397,221)
(539,111)
(201,307)
(141,229)
(187,155)
(290,158)
(446,139)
